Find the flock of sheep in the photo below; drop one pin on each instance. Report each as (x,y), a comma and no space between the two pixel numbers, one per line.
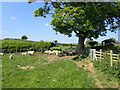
(50,52)
(24,53)
(53,52)
(68,52)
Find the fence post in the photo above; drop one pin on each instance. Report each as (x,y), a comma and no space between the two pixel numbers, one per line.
(118,58)
(95,54)
(92,54)
(111,64)
(100,54)
(41,49)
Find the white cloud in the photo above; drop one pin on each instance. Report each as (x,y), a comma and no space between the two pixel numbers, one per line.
(47,24)
(13,18)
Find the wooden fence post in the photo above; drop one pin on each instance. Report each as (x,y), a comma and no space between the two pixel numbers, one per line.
(111,64)
(118,58)
(100,54)
(95,55)
(41,49)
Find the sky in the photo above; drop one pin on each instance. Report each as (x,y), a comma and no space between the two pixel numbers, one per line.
(18,20)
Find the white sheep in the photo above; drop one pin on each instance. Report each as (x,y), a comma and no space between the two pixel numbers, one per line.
(48,52)
(56,52)
(25,53)
(11,56)
(30,52)
(1,54)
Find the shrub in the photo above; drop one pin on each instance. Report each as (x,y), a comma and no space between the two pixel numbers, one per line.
(109,41)
(92,43)
(21,45)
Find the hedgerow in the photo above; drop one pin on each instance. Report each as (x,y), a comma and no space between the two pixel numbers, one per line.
(11,45)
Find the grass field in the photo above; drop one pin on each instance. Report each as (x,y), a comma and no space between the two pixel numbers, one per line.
(51,71)
(48,72)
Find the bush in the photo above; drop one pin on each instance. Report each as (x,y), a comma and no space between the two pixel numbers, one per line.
(92,43)
(109,41)
(12,45)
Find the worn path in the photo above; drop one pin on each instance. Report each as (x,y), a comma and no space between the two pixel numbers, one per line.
(87,64)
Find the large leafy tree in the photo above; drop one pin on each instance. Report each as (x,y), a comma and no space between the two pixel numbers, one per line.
(85,19)
(24,37)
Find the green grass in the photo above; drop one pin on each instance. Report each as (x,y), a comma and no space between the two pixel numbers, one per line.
(59,74)
(106,81)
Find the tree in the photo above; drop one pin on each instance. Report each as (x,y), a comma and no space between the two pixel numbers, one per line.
(85,19)
(24,37)
(88,40)
(55,41)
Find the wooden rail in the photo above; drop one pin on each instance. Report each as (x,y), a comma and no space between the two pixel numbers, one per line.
(113,57)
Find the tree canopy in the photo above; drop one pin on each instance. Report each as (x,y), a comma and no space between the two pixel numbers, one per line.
(24,37)
(85,19)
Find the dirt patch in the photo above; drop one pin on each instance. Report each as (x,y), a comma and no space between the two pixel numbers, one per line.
(87,64)
(52,58)
(25,67)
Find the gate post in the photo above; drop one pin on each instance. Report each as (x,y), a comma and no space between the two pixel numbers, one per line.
(92,54)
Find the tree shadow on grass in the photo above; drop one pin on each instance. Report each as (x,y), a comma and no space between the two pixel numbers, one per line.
(79,57)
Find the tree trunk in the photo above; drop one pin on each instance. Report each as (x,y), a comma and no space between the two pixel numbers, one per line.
(80,48)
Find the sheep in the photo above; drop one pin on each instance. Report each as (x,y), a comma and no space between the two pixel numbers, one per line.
(30,52)
(48,52)
(25,53)
(11,56)
(56,52)
(1,54)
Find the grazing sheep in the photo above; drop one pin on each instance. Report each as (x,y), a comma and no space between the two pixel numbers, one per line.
(25,53)
(69,52)
(1,54)
(48,52)
(56,52)
(30,52)
(11,56)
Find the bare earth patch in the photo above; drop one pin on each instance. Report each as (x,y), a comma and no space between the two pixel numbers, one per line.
(51,58)
(26,67)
